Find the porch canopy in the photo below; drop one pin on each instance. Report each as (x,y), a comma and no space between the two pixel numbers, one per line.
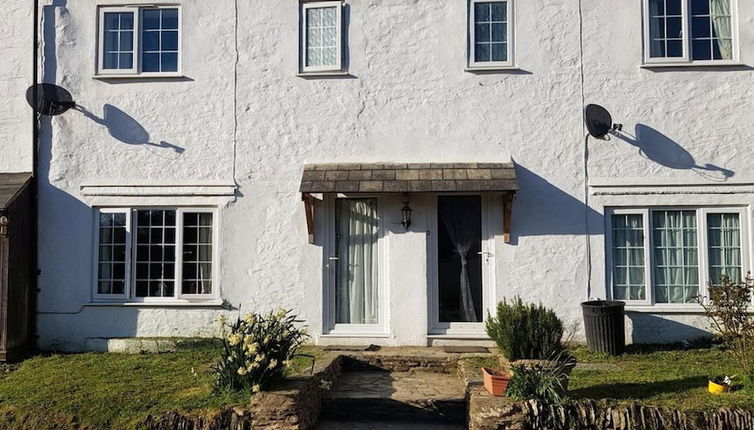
(409,178)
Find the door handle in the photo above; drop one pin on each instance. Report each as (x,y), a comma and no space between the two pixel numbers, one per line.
(489,254)
(333,258)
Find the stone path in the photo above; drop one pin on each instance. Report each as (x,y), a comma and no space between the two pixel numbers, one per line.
(362,400)
(401,386)
(380,425)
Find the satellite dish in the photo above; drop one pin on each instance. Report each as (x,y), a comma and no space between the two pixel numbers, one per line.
(599,122)
(50,99)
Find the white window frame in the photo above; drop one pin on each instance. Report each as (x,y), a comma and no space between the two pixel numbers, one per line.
(136,70)
(95,272)
(702,250)
(471,50)
(686,60)
(130,290)
(329,327)
(303,35)
(101,41)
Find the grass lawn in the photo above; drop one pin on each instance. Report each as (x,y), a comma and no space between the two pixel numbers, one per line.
(113,390)
(656,376)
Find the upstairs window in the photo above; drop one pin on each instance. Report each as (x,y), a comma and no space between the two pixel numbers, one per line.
(139,40)
(490,33)
(689,31)
(321,36)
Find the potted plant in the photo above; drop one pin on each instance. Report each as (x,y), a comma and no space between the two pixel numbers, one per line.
(530,336)
(495,382)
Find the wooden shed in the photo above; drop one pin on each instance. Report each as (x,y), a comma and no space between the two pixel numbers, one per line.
(16,265)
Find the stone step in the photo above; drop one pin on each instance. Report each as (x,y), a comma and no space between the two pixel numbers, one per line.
(394,397)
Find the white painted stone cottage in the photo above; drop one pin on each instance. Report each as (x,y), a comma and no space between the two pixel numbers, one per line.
(262,154)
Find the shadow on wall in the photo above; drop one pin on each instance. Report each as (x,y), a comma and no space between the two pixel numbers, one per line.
(648,328)
(542,209)
(125,128)
(664,151)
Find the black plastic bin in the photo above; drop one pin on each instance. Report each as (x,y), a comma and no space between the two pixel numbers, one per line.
(604,326)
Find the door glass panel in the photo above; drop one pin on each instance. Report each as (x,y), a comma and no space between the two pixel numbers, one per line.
(459,262)
(356,281)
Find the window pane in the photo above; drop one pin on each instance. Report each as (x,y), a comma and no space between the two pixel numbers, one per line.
(676,256)
(674,28)
(673,7)
(151,41)
(169,62)
(724,246)
(150,62)
(499,52)
(675,48)
(700,7)
(499,11)
(197,253)
(169,19)
(111,265)
(702,49)
(499,32)
(482,33)
(482,12)
(160,40)
(482,52)
(322,35)
(151,19)
(700,27)
(155,256)
(169,41)
(628,256)
(117,43)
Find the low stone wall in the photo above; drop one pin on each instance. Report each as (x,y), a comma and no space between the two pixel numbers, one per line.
(486,412)
(293,405)
(296,404)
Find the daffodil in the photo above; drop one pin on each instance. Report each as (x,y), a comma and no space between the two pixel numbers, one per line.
(234,339)
(273,364)
(255,388)
(241,371)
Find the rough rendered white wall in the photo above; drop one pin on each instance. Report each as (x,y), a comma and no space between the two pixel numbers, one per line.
(407,99)
(16,41)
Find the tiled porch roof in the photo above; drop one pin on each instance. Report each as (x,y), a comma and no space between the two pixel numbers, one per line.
(412,177)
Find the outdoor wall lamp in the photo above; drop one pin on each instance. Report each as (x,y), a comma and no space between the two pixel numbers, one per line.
(406,212)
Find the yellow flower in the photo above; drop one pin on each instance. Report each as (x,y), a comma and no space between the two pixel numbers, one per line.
(281,313)
(254,365)
(255,388)
(287,363)
(241,371)
(234,339)
(273,364)
(259,358)
(252,349)
(250,318)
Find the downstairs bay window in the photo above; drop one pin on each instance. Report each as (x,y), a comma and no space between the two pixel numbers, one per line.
(155,254)
(668,256)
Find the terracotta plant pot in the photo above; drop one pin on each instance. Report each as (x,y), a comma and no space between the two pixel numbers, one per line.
(495,382)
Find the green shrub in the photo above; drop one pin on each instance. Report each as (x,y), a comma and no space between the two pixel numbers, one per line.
(256,350)
(548,384)
(525,331)
(728,310)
